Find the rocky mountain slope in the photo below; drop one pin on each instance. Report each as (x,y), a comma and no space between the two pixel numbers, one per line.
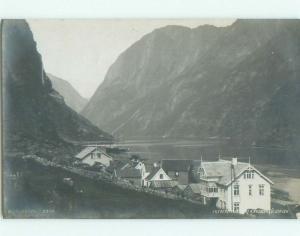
(35,115)
(239,81)
(72,98)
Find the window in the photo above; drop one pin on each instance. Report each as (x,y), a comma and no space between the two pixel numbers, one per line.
(201,171)
(250,190)
(261,188)
(161,176)
(176,173)
(212,189)
(249,174)
(92,155)
(236,207)
(236,190)
(98,155)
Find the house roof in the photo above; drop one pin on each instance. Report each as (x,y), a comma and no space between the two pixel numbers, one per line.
(163,184)
(176,165)
(153,172)
(130,173)
(85,152)
(180,186)
(225,171)
(149,166)
(116,165)
(196,188)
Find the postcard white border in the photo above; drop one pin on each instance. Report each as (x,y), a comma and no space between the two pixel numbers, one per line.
(150,9)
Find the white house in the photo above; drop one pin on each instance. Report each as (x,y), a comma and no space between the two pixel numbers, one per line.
(156,174)
(92,155)
(234,186)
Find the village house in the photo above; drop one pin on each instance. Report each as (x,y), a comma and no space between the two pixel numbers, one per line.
(93,155)
(234,186)
(134,176)
(132,170)
(178,170)
(194,191)
(158,179)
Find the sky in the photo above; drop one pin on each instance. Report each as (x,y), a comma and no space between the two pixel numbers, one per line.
(81,51)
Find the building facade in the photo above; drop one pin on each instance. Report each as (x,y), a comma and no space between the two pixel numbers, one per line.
(92,155)
(234,186)
(157,174)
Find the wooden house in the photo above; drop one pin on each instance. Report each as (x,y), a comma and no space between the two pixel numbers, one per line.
(132,170)
(156,174)
(178,170)
(235,186)
(92,155)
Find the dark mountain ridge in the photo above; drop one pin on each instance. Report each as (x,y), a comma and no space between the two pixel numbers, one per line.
(178,82)
(34,114)
(72,98)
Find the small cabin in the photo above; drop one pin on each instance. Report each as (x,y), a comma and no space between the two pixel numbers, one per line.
(94,155)
(156,174)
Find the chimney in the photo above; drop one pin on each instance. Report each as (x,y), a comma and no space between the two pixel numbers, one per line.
(234,161)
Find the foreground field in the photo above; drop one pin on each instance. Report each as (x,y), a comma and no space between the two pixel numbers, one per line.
(35,191)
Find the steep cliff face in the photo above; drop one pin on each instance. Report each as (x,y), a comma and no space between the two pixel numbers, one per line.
(34,113)
(72,98)
(179,82)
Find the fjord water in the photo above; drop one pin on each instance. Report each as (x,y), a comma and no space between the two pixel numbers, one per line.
(280,164)
(210,150)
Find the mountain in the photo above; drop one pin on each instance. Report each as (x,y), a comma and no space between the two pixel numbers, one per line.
(72,98)
(35,116)
(238,81)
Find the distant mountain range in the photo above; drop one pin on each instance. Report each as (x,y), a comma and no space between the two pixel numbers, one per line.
(35,118)
(240,81)
(72,98)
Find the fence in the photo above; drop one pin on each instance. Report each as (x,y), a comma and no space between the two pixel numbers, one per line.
(108,178)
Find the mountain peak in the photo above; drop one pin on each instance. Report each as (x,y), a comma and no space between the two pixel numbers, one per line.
(185,82)
(33,112)
(72,98)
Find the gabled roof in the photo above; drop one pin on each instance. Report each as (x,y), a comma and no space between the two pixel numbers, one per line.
(258,172)
(149,166)
(180,186)
(196,188)
(116,165)
(176,165)
(225,171)
(85,152)
(163,184)
(105,154)
(153,173)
